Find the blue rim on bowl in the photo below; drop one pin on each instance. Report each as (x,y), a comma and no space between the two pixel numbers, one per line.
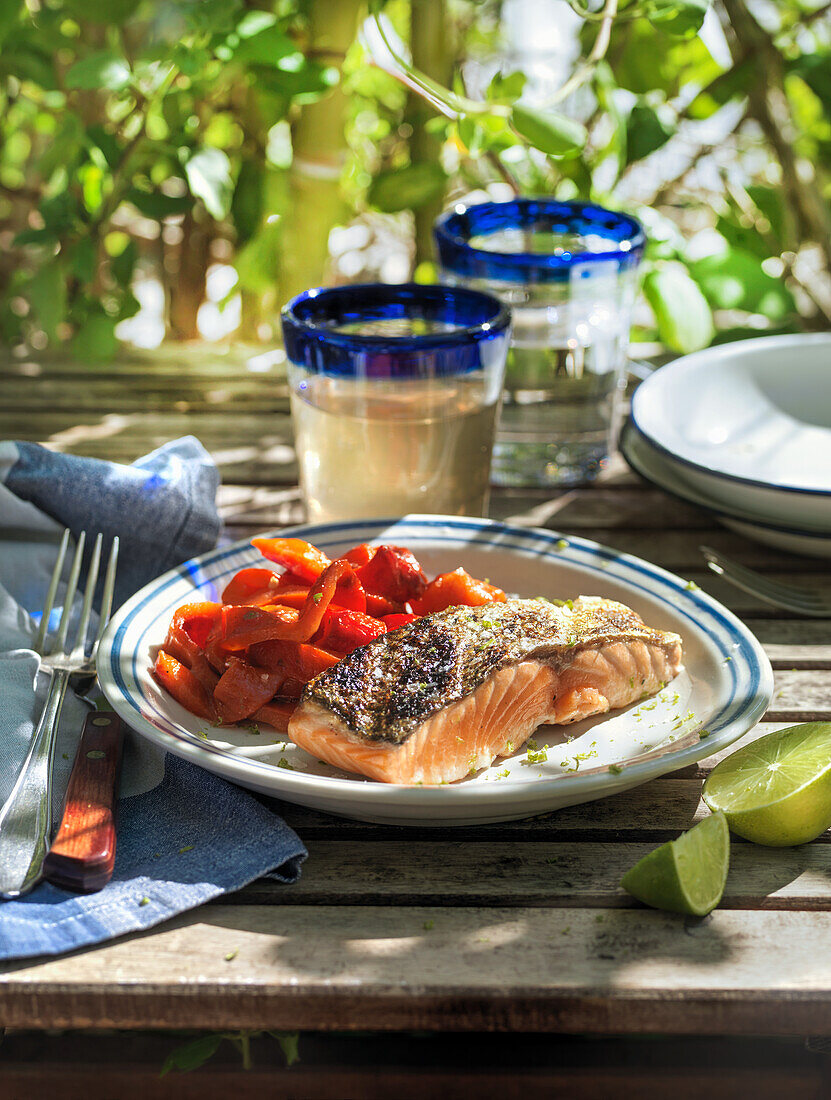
(473,325)
(454,230)
(690,496)
(723,351)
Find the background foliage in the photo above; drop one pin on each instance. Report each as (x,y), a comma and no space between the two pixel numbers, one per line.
(158,139)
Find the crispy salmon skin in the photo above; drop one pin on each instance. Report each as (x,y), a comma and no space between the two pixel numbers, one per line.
(447,694)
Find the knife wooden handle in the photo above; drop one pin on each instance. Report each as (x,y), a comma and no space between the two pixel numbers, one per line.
(83,853)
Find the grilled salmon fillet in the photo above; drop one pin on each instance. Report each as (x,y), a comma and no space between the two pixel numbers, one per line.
(446,695)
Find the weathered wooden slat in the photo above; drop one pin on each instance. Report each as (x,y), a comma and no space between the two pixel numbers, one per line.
(456,969)
(585,875)
(651,813)
(135,1082)
(411,1067)
(801,696)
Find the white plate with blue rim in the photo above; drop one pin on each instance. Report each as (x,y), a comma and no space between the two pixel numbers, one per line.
(723,691)
(651,464)
(748,426)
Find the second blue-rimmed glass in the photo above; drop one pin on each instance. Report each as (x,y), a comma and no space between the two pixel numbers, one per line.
(394,395)
(568,270)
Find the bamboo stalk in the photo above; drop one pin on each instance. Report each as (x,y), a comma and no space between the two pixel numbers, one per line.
(316,203)
(432,51)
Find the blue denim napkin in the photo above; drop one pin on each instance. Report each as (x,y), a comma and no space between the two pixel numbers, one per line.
(184,835)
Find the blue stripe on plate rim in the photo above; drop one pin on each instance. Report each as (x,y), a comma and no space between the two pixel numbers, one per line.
(723,351)
(691,496)
(750,692)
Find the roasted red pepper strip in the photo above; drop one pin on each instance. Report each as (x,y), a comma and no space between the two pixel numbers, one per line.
(276,714)
(299,663)
(392,622)
(183,686)
(454,590)
(204,672)
(194,621)
(295,555)
(379,606)
(243,689)
(244,626)
(293,689)
(343,631)
(294,597)
(360,555)
(394,573)
(251,586)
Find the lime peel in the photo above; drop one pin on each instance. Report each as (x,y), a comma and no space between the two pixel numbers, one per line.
(686,875)
(777,790)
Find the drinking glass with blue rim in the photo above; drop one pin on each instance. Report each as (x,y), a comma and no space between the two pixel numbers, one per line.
(394,395)
(568,270)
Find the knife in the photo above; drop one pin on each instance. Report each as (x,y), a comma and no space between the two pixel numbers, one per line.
(82,855)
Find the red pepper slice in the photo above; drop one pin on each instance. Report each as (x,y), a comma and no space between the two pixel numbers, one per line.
(250,586)
(299,663)
(295,555)
(337,584)
(360,555)
(183,686)
(243,688)
(392,622)
(344,631)
(204,673)
(454,590)
(195,621)
(244,626)
(276,713)
(393,572)
(290,596)
(379,606)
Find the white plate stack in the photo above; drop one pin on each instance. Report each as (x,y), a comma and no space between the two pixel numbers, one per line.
(744,430)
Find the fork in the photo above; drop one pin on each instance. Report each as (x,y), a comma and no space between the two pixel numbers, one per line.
(801,599)
(26,816)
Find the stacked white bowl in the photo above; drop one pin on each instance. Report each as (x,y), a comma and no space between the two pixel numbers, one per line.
(744,430)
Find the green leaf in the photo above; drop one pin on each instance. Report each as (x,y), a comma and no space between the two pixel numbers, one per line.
(253,22)
(123,265)
(407,188)
(248,203)
(157,205)
(65,148)
(548,131)
(111,12)
(102,69)
(82,260)
(734,82)
(310,80)
(95,341)
(682,314)
(682,18)
(289,1044)
(815,70)
(734,279)
(257,262)
(646,131)
(47,296)
(208,174)
(506,89)
(192,1055)
(268,47)
(9,13)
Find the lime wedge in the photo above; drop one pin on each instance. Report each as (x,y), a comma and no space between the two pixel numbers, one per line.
(776,791)
(686,875)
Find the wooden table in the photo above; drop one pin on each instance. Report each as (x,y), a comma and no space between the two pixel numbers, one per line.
(519,927)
